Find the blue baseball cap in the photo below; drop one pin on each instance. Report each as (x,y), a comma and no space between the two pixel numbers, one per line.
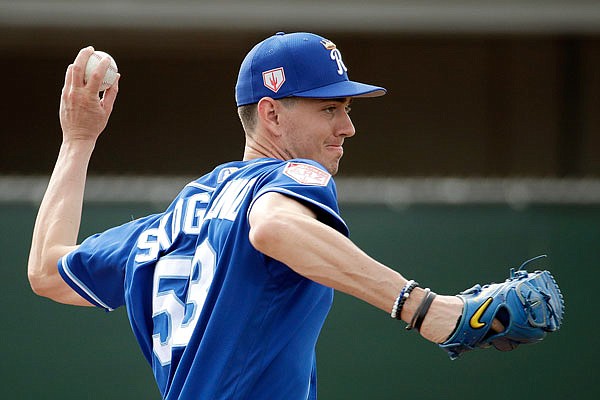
(297,64)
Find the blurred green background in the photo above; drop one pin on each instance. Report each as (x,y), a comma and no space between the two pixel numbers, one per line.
(53,351)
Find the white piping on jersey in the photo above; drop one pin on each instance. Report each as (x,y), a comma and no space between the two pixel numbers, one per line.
(200,186)
(212,189)
(81,285)
(296,195)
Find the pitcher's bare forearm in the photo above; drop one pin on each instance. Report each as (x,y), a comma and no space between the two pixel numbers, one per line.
(57,224)
(286,230)
(83,117)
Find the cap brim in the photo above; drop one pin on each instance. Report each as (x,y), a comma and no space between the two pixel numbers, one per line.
(343,89)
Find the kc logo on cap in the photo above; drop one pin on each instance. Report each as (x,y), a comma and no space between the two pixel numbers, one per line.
(335,55)
(274,78)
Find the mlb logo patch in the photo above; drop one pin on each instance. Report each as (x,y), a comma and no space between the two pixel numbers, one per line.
(273,79)
(307,174)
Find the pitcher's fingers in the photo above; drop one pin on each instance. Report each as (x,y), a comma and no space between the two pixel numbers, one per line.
(110,94)
(497,326)
(97,75)
(79,65)
(68,79)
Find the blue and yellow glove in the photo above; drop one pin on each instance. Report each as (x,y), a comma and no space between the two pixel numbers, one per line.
(528,304)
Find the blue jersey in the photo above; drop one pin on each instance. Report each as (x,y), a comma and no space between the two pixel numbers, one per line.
(214,317)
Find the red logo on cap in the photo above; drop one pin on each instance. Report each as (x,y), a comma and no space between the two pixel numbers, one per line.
(274,78)
(307,174)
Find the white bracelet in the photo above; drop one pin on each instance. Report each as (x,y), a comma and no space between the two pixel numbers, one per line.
(401,299)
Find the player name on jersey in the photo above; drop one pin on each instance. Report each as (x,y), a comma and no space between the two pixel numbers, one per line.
(188,215)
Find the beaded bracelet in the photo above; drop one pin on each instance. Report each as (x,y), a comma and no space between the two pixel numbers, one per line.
(402,297)
(395,307)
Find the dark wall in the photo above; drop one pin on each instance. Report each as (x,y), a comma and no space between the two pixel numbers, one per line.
(472,105)
(53,351)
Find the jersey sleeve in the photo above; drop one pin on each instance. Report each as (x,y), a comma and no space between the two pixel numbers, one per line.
(96,269)
(308,182)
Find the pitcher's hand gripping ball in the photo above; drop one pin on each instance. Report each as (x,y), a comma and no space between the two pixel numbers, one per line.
(111,73)
(528,304)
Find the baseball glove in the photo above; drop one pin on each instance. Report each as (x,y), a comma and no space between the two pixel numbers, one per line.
(527,304)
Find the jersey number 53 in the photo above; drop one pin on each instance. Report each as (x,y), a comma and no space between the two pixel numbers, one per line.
(178,295)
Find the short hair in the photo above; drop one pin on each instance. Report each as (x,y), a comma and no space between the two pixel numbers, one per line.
(248,113)
(247,116)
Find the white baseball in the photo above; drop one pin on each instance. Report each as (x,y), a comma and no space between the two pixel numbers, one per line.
(111,73)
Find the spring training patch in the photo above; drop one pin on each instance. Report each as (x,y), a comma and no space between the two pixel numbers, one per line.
(274,78)
(306,174)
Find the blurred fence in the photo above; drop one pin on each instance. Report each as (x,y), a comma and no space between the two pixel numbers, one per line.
(160,190)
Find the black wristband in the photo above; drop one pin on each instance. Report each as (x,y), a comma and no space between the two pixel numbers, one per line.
(419,316)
